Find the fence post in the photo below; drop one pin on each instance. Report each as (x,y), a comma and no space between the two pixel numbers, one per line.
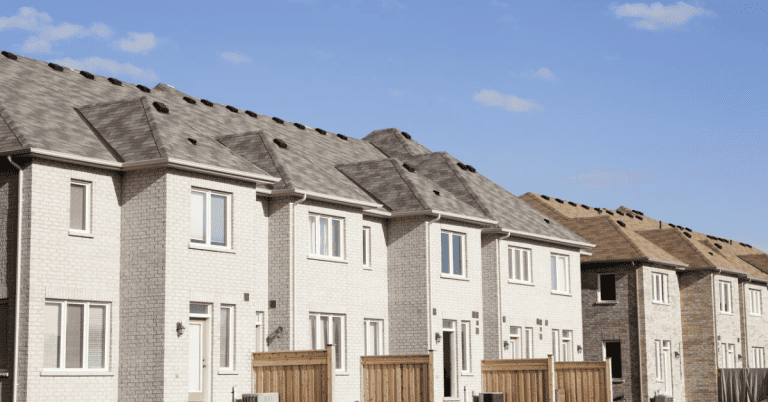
(331,368)
(609,379)
(430,369)
(551,377)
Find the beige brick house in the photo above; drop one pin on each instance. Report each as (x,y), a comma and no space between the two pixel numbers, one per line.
(189,234)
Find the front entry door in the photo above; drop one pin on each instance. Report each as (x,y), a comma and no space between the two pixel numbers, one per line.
(199,365)
(667,361)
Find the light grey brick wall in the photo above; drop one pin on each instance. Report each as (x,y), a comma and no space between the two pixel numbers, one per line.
(756,328)
(279,251)
(491,324)
(728,325)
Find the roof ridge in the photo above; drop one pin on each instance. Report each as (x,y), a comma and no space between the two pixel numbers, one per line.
(556,212)
(395,162)
(160,146)
(631,243)
(2,109)
(483,209)
(281,170)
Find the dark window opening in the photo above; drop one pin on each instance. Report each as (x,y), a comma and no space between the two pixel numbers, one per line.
(608,287)
(613,350)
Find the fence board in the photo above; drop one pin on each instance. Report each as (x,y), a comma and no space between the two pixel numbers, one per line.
(298,376)
(396,378)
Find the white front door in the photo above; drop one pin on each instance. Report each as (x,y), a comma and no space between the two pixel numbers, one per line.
(665,353)
(198,360)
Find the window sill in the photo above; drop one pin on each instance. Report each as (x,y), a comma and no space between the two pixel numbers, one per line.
(76,373)
(607,303)
(341,374)
(617,380)
(467,375)
(559,293)
(514,282)
(661,303)
(206,247)
(755,315)
(80,233)
(458,278)
(324,258)
(228,372)
(726,312)
(368,268)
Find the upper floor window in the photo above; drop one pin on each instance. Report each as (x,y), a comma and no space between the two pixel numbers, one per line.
(520,265)
(560,274)
(452,254)
(755,302)
(326,235)
(366,246)
(80,206)
(329,329)
(725,297)
(660,288)
(211,218)
(76,335)
(606,287)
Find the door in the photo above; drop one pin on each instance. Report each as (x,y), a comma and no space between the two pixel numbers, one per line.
(199,367)
(667,362)
(449,369)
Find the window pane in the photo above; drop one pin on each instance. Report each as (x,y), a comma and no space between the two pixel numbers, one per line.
(464,347)
(77,207)
(74,348)
(336,238)
(52,335)
(198,217)
(324,338)
(365,247)
(96,326)
(511,263)
(613,350)
(526,256)
(562,274)
(457,257)
(337,340)
(446,252)
(608,287)
(376,329)
(518,275)
(218,220)
(224,345)
(313,329)
(324,236)
(366,338)
(312,235)
(554,274)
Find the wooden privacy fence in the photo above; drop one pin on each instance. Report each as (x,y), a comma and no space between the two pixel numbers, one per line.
(299,376)
(397,378)
(544,380)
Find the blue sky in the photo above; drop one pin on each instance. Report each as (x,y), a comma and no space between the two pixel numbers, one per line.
(661,107)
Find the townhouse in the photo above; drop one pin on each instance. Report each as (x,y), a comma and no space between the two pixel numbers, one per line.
(671,304)
(198,233)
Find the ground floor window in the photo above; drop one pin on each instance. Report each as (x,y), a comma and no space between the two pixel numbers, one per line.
(727,355)
(226,337)
(372,337)
(758,357)
(329,329)
(612,349)
(566,346)
(514,342)
(527,352)
(465,332)
(76,335)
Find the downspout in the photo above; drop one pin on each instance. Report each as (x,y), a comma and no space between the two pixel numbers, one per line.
(498,289)
(429,281)
(745,318)
(18,284)
(293,274)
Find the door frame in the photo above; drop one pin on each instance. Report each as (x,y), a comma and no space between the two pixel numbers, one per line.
(204,320)
(666,353)
(450,332)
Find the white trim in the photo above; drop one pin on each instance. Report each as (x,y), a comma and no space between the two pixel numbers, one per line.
(545,238)
(524,252)
(566,340)
(86,207)
(555,288)
(515,333)
(463,259)
(725,297)
(556,344)
(206,242)
(315,251)
(342,339)
(62,327)
(755,302)
(466,347)
(379,328)
(367,247)
(230,363)
(600,289)
(526,349)
(659,288)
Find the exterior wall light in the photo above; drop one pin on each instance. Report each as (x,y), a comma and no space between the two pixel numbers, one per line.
(578,348)
(438,337)
(179,329)
(506,345)
(677,355)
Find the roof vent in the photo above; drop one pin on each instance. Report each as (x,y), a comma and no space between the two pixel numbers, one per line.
(409,167)
(742,244)
(710,253)
(688,235)
(406,135)
(599,211)
(115,81)
(189,100)
(461,165)
(87,75)
(545,197)
(630,215)
(689,229)
(300,126)
(143,88)
(320,130)
(471,169)
(546,220)
(671,225)
(278,120)
(609,212)
(232,109)
(620,213)
(192,141)
(56,67)
(9,55)
(584,206)
(639,217)
(436,192)
(342,136)
(638,212)
(249,113)
(622,224)
(718,246)
(160,107)
(679,227)
(559,200)
(749,246)
(206,102)
(573,204)
(280,143)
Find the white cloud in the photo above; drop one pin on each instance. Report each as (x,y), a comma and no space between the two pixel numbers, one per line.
(235,58)
(608,178)
(510,103)
(45,34)
(545,74)
(658,16)
(392,3)
(109,67)
(138,42)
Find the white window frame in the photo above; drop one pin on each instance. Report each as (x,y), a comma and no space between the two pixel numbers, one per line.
(731,355)
(63,335)
(600,288)
(660,288)
(206,241)
(527,346)
(230,363)
(755,302)
(524,254)
(659,363)
(758,357)
(514,341)
(317,330)
(556,288)
(463,244)
(566,342)
(87,206)
(725,297)
(466,348)
(556,344)
(366,340)
(314,243)
(366,247)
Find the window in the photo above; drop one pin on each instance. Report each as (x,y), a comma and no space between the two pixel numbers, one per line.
(372,337)
(258,346)
(527,352)
(226,337)
(80,206)
(659,365)
(560,275)
(556,345)
(514,342)
(211,218)
(725,297)
(755,302)
(520,265)
(466,328)
(76,335)
(366,246)
(731,355)
(326,236)
(606,288)
(612,349)
(328,329)
(452,253)
(566,352)
(723,363)
(758,357)
(660,289)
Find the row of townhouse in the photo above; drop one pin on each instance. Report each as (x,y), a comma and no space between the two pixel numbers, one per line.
(153,241)
(670,305)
